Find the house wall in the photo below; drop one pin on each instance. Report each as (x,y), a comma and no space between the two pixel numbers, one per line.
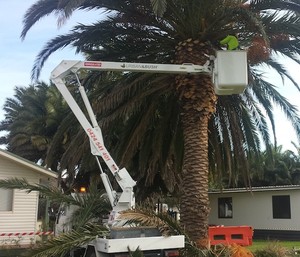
(255,209)
(22,218)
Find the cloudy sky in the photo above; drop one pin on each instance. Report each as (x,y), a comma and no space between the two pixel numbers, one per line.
(17,57)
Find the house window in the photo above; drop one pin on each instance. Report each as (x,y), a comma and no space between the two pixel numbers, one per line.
(225,207)
(6,199)
(281,206)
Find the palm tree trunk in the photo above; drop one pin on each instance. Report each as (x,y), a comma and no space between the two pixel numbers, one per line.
(198,103)
(194,211)
(194,202)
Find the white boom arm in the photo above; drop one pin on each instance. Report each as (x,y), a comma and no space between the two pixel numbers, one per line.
(93,131)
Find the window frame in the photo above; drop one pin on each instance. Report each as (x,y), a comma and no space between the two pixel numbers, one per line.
(277,207)
(11,195)
(225,202)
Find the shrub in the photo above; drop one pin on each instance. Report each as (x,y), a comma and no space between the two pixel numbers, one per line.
(274,250)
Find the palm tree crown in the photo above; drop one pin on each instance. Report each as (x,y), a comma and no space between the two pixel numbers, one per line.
(31,120)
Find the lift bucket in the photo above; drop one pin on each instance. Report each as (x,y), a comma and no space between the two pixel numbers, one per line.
(230,72)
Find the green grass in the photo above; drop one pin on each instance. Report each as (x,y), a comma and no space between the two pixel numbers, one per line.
(260,244)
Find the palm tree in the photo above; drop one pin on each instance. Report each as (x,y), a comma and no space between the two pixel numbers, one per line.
(275,167)
(32,117)
(31,120)
(173,120)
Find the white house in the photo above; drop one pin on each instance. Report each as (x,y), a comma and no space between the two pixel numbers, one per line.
(18,209)
(273,212)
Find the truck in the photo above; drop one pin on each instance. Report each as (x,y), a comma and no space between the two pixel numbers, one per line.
(149,241)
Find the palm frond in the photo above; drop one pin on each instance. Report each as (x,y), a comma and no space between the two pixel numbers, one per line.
(93,206)
(62,9)
(52,192)
(261,5)
(282,71)
(62,244)
(36,12)
(52,46)
(136,253)
(147,217)
(159,7)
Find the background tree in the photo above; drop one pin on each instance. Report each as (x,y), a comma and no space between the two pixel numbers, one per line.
(276,167)
(188,32)
(32,117)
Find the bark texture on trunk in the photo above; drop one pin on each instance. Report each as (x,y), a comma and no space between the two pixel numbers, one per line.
(194,196)
(198,102)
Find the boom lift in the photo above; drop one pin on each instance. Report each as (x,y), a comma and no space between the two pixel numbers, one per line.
(102,247)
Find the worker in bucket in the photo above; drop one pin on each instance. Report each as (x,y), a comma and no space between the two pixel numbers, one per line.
(231,42)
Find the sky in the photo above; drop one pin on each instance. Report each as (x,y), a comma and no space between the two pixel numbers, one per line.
(17,57)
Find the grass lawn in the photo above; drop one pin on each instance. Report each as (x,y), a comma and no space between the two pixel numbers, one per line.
(260,244)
